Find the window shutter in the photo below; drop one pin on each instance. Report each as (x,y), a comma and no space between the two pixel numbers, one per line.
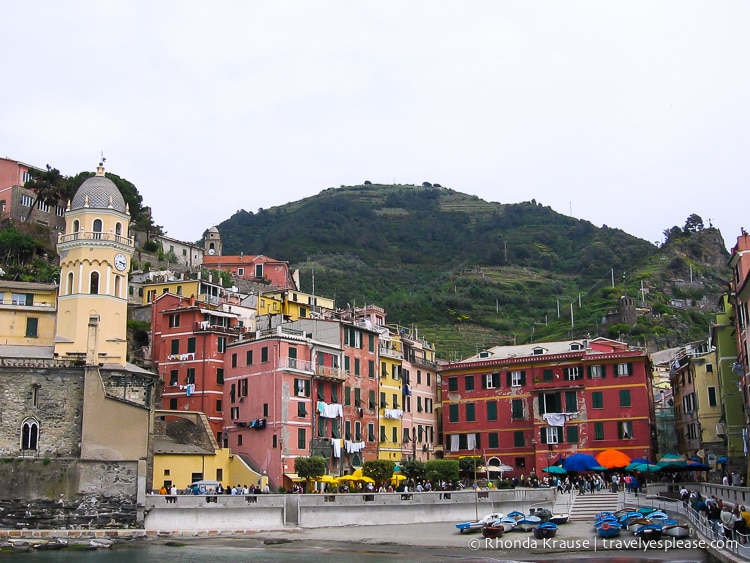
(630,368)
(544,434)
(508,379)
(523,378)
(588,370)
(484,381)
(541,404)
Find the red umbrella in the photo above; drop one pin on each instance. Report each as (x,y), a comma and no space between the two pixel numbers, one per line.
(613,458)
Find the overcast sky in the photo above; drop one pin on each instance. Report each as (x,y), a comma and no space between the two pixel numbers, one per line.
(630,114)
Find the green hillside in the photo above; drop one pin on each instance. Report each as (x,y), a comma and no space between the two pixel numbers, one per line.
(469,274)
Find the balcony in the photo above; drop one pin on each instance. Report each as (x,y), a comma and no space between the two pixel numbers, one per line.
(328,372)
(296,364)
(94,235)
(390,351)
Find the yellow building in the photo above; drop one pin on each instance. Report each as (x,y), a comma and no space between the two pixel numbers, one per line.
(27,313)
(391,409)
(95,252)
(709,401)
(186,451)
(295,305)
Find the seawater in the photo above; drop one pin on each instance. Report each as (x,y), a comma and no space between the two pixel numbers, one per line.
(215,552)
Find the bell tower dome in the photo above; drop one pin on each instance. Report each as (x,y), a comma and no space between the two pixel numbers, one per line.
(95,252)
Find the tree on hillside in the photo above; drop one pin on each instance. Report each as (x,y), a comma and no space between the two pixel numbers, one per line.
(49,186)
(693,224)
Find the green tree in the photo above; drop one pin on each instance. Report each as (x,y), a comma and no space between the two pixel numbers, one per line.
(413,469)
(693,224)
(310,467)
(380,470)
(49,186)
(438,470)
(16,247)
(467,465)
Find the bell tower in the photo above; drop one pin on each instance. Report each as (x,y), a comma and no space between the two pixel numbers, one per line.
(95,252)
(213,242)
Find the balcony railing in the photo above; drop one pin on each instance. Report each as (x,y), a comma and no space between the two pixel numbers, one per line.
(94,235)
(390,352)
(330,372)
(296,364)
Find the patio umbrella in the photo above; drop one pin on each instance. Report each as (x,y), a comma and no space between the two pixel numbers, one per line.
(555,470)
(347,478)
(641,460)
(366,479)
(612,458)
(398,478)
(327,479)
(580,462)
(672,458)
(644,467)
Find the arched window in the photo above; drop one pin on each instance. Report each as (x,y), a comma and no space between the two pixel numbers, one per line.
(118,286)
(76,226)
(97,228)
(69,285)
(118,229)
(30,435)
(94,283)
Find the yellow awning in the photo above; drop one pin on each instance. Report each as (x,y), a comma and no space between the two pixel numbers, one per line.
(294,477)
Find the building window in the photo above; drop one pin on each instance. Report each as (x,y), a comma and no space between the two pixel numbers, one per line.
(356,367)
(173,404)
(491,410)
(470,412)
(174,378)
(264,354)
(94,285)
(517,409)
(174,321)
(469,383)
(572,434)
(625,430)
(30,435)
(301,409)
(218,405)
(550,434)
(598,431)
(519,441)
(548,375)
(371,369)
(712,397)
(596,372)
(597,400)
(22,299)
(517,378)
(571,401)
(452,384)
(234,360)
(453,413)
(492,380)
(573,373)
(371,432)
(175,346)
(191,345)
(301,439)
(32,326)
(624,370)
(372,402)
(234,413)
(221,344)
(190,376)
(493,442)
(27,200)
(624,397)
(383,435)
(240,272)
(220,376)
(97,228)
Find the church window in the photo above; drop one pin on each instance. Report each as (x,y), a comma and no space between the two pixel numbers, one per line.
(118,286)
(76,226)
(30,435)
(97,228)
(118,229)
(69,290)
(94,283)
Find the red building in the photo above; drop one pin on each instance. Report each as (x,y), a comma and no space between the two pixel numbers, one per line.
(531,405)
(299,389)
(189,339)
(261,269)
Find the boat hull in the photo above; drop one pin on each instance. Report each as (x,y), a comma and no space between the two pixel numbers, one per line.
(559,519)
(494,531)
(676,531)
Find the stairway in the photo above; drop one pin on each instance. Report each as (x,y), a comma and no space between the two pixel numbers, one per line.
(585,507)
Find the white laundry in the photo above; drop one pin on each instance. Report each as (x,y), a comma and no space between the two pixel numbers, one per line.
(556,418)
(393,413)
(336,443)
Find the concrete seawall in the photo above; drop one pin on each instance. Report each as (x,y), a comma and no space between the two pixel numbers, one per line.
(273,512)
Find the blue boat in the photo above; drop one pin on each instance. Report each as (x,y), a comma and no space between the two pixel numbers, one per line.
(625,519)
(516,515)
(479,524)
(608,528)
(649,532)
(545,530)
(528,523)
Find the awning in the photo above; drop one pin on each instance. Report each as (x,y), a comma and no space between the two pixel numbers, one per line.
(218,313)
(294,477)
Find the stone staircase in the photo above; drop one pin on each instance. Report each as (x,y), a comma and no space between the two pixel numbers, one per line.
(585,507)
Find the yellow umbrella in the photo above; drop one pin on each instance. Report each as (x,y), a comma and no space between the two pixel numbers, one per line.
(366,479)
(327,479)
(398,478)
(347,478)
(357,474)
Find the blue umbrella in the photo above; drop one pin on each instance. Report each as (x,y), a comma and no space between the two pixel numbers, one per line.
(642,460)
(581,462)
(555,470)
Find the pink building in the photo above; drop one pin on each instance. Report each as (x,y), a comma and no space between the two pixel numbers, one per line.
(254,268)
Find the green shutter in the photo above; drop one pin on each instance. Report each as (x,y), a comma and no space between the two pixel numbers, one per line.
(572,431)
(597,400)
(491,410)
(571,401)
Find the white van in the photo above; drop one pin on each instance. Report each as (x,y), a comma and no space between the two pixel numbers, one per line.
(203,487)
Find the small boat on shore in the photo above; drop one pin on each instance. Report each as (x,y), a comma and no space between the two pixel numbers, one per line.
(559,518)
(633,525)
(477,525)
(608,528)
(516,515)
(528,523)
(649,532)
(545,530)
(677,530)
(494,530)
(508,523)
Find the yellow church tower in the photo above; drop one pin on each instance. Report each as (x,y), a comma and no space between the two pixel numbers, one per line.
(95,252)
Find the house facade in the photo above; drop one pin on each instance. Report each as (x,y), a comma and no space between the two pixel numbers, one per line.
(529,406)
(19,203)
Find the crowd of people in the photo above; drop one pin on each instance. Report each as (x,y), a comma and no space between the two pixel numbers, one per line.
(724,519)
